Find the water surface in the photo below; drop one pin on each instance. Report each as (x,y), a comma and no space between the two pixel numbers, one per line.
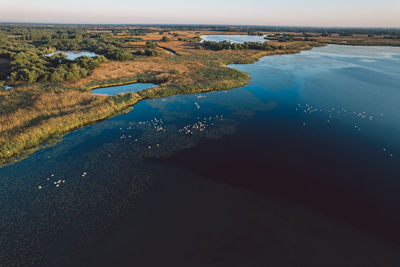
(121,89)
(72,55)
(234,38)
(303,159)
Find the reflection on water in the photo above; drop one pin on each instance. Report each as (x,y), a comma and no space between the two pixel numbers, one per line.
(72,55)
(318,128)
(121,89)
(234,38)
(77,179)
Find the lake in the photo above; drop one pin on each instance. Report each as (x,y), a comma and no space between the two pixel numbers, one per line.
(305,158)
(72,55)
(121,89)
(234,38)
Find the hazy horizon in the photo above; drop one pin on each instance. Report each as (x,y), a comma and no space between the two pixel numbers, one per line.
(313,13)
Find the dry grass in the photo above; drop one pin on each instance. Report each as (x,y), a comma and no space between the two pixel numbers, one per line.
(29,116)
(125,69)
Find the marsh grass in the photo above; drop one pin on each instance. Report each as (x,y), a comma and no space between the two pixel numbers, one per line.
(31,115)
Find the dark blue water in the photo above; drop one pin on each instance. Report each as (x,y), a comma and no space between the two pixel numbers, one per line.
(121,89)
(306,156)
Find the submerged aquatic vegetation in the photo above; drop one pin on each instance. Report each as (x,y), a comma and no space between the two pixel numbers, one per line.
(33,114)
(29,117)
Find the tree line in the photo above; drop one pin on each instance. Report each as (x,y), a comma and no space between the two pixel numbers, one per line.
(31,67)
(226,45)
(27,47)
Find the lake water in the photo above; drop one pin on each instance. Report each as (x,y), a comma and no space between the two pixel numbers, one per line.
(72,55)
(299,166)
(234,38)
(121,89)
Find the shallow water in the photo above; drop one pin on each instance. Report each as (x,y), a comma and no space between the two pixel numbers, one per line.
(234,38)
(121,89)
(72,55)
(318,130)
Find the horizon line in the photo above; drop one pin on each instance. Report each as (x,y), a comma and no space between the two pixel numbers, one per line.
(200,24)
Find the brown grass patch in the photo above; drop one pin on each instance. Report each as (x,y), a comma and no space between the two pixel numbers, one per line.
(29,116)
(125,69)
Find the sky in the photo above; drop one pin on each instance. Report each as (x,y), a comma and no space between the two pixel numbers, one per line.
(331,13)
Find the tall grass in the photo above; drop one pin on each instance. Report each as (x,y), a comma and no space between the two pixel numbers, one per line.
(29,117)
(32,115)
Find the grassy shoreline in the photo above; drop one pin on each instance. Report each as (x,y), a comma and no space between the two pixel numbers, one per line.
(39,136)
(33,115)
(35,136)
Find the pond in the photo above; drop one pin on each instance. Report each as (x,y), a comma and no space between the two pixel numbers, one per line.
(305,156)
(234,38)
(72,55)
(121,89)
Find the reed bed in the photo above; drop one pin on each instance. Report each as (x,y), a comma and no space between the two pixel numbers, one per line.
(32,115)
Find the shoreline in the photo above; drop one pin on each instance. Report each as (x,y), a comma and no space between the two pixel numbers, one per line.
(149,93)
(139,96)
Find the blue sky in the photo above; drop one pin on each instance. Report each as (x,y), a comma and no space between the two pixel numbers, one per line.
(367,13)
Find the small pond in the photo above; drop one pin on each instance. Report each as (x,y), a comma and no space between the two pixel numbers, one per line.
(234,38)
(121,89)
(72,55)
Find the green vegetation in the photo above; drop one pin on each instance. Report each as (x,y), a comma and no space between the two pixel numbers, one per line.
(30,67)
(279,29)
(29,116)
(28,46)
(150,45)
(68,39)
(50,93)
(165,39)
(195,39)
(237,46)
(151,52)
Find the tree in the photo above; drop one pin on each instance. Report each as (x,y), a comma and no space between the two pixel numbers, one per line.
(69,76)
(56,77)
(123,55)
(150,45)
(151,52)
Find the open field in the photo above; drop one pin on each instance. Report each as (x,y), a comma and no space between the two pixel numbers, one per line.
(34,113)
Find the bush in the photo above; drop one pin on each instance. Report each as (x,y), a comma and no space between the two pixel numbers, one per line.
(151,52)
(150,45)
